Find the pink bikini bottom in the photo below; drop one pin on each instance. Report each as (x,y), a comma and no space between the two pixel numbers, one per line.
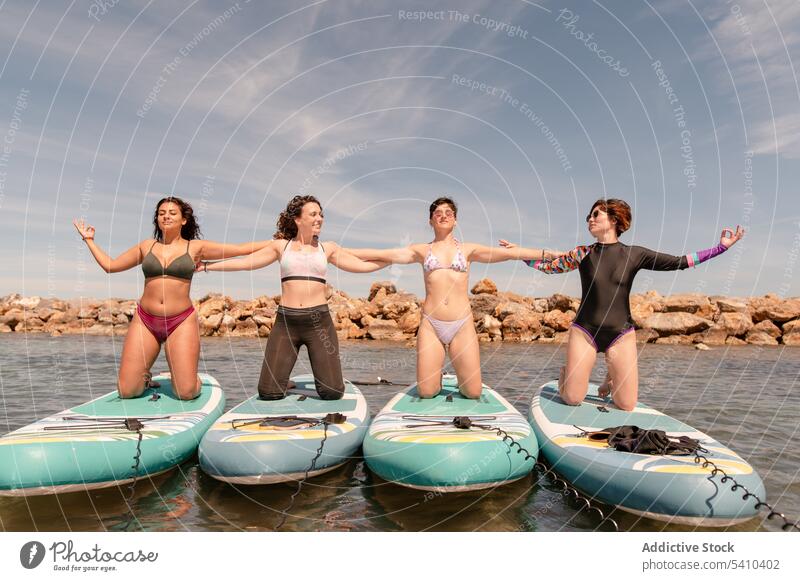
(162,327)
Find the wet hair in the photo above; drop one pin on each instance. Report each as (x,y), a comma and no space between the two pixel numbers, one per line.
(286,227)
(438,202)
(617,210)
(189,231)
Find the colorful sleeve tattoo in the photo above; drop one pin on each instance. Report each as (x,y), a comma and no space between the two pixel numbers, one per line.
(564,263)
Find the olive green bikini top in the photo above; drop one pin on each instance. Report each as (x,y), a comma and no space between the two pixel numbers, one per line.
(181,267)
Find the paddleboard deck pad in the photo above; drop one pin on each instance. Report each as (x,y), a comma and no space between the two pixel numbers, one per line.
(92,446)
(671,488)
(414,442)
(265,442)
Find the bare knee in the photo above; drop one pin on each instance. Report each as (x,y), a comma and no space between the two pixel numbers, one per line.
(471,392)
(186,390)
(129,391)
(625,403)
(570,399)
(427,390)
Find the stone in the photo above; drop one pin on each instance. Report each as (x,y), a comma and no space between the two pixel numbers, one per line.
(712,337)
(245,328)
(774,308)
(491,326)
(228,323)
(760,338)
(791,326)
(702,347)
(44,313)
(559,302)
(263,321)
(29,325)
(676,323)
(64,317)
(646,335)
(264,331)
(388,288)
(483,304)
(791,339)
(769,328)
(522,326)
(87,313)
(100,329)
(559,320)
(484,286)
(540,305)
(383,329)
(508,308)
(5,329)
(734,341)
(208,325)
(105,316)
(397,305)
(560,338)
(734,323)
(12,317)
(674,340)
(214,305)
(409,322)
(730,305)
(694,303)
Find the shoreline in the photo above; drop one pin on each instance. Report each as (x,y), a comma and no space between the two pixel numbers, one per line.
(391,314)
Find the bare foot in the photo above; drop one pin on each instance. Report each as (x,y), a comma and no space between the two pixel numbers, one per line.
(605,388)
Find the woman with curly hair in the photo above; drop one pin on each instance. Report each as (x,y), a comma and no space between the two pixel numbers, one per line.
(604,323)
(303,317)
(446,311)
(164,314)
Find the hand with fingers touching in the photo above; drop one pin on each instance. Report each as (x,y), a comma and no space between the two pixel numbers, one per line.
(729,238)
(85,230)
(507,244)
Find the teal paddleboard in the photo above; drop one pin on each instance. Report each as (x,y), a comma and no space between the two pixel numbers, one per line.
(666,488)
(414,442)
(269,441)
(91,446)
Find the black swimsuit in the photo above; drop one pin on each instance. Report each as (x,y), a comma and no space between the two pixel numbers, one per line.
(607,273)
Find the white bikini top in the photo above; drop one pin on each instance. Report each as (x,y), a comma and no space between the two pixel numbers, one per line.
(298,265)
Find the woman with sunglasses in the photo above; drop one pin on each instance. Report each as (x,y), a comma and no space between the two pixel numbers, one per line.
(603,323)
(165,314)
(446,311)
(303,317)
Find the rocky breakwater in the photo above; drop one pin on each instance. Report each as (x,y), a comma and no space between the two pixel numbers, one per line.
(391,314)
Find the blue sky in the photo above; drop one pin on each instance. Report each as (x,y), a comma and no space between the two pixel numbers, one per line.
(524,112)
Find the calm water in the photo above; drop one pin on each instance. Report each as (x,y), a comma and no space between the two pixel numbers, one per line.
(746,397)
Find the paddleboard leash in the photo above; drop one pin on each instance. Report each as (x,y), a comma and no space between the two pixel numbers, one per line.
(466,422)
(332,418)
(705,462)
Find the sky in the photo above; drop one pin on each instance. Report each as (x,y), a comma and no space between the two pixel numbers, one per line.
(524,112)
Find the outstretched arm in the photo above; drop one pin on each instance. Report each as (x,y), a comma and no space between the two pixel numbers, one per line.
(343,259)
(127,260)
(405,255)
(259,259)
(652,260)
(563,263)
(210,250)
(509,251)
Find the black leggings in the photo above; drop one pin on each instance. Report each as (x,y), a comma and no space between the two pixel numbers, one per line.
(312,327)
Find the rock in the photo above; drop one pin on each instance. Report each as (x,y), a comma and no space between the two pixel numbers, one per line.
(409,323)
(264,331)
(769,328)
(265,302)
(560,338)
(383,329)
(484,286)
(508,308)
(540,305)
(5,329)
(100,329)
(26,303)
(491,327)
(791,326)
(263,321)
(694,303)
(208,325)
(734,323)
(63,317)
(29,325)
(228,324)
(792,339)
(730,305)
(214,305)
(245,328)
(673,323)
(772,307)
(397,305)
(13,317)
(387,286)
(522,326)
(559,302)
(702,347)
(760,338)
(87,313)
(483,304)
(44,313)
(105,316)
(712,337)
(351,331)
(674,340)
(559,320)
(734,341)
(646,335)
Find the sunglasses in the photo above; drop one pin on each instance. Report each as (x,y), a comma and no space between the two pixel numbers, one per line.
(595,214)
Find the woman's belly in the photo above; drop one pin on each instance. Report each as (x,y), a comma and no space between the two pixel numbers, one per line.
(165,296)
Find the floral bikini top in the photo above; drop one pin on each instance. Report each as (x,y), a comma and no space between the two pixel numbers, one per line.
(431,263)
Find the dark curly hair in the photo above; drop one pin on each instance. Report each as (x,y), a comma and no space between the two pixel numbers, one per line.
(617,210)
(443,200)
(189,231)
(287,229)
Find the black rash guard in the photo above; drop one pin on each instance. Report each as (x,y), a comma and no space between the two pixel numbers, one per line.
(607,273)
